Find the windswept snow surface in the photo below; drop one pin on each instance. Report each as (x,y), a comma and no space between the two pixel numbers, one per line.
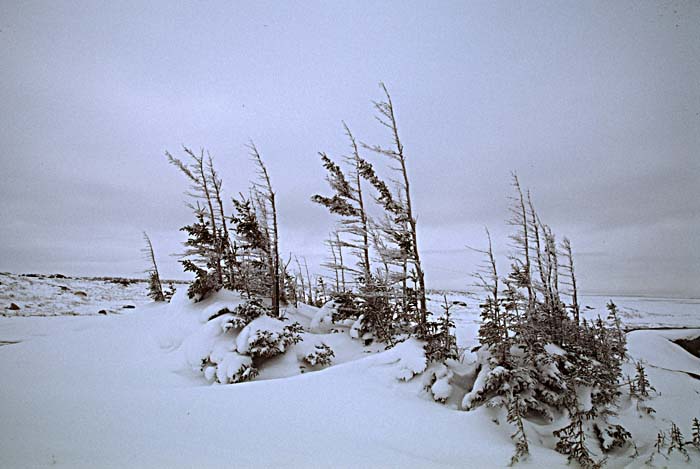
(113,392)
(43,295)
(117,391)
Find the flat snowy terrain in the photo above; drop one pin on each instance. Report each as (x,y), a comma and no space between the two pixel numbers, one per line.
(57,295)
(118,390)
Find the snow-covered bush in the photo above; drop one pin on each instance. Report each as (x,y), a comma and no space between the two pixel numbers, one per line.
(440,342)
(234,343)
(267,337)
(611,436)
(231,367)
(572,442)
(244,313)
(375,313)
(322,356)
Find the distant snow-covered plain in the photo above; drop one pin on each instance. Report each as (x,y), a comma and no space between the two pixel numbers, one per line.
(87,382)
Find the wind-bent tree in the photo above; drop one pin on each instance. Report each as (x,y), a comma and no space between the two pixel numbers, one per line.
(266,204)
(400,208)
(228,247)
(521,270)
(155,287)
(568,268)
(348,202)
(201,189)
(254,247)
(210,253)
(494,318)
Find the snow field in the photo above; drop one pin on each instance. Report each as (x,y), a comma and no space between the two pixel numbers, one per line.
(122,391)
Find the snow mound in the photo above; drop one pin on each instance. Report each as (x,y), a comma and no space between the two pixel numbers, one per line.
(441,389)
(264,336)
(406,359)
(207,342)
(322,321)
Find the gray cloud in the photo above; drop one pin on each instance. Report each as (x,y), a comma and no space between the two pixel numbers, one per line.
(595,105)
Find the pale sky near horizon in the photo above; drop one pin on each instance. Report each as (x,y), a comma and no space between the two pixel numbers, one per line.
(596,105)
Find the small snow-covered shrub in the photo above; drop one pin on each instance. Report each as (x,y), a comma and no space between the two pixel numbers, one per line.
(440,343)
(322,355)
(205,283)
(234,343)
(230,368)
(611,436)
(640,387)
(370,310)
(245,313)
(267,344)
(677,441)
(572,442)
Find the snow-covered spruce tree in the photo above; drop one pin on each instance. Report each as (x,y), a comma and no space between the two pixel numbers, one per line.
(348,203)
(253,247)
(399,209)
(640,387)
(266,206)
(227,246)
(572,441)
(569,279)
(200,256)
(371,299)
(677,442)
(288,283)
(389,300)
(441,344)
(493,331)
(322,294)
(155,287)
(209,252)
(536,359)
(619,339)
(321,356)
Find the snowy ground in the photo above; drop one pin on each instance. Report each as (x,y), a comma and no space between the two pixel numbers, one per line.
(117,390)
(57,295)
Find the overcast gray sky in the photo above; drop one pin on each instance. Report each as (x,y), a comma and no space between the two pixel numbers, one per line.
(596,105)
